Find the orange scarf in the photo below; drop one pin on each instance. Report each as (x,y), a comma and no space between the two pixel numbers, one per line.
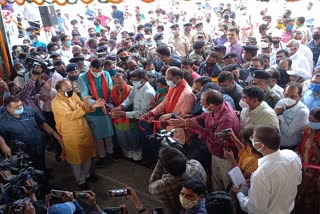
(117,100)
(173,96)
(93,89)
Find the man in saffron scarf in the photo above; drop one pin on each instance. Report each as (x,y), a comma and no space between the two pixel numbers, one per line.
(123,126)
(178,101)
(97,84)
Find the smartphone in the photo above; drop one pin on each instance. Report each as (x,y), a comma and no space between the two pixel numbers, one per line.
(118,193)
(57,193)
(113,210)
(158,210)
(223,133)
(80,195)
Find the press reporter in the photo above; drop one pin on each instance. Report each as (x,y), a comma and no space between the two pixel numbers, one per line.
(23,123)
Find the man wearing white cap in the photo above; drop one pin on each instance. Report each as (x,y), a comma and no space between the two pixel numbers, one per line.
(276,41)
(298,60)
(299,75)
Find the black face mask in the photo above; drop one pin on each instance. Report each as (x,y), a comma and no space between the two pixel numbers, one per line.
(275,42)
(73,78)
(211,64)
(125,58)
(92,35)
(277,62)
(74,35)
(68,93)
(315,36)
(63,73)
(282,71)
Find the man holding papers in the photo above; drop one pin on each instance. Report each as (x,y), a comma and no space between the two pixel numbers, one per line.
(271,189)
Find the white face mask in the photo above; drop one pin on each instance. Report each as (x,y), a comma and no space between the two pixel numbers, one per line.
(21,72)
(136,84)
(141,42)
(86,56)
(170,83)
(205,110)
(135,54)
(96,74)
(289,102)
(243,104)
(151,73)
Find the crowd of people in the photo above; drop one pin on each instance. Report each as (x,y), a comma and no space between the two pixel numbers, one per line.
(236,91)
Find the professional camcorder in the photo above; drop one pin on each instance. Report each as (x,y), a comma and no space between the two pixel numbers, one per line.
(46,65)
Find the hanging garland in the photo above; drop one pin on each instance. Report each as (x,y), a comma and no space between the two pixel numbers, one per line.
(115,1)
(60,3)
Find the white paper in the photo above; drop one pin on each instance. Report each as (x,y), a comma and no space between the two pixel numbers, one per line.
(237,178)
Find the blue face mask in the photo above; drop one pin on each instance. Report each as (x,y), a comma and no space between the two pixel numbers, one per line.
(68,43)
(18,111)
(252,70)
(314,87)
(290,28)
(205,110)
(112,72)
(314,126)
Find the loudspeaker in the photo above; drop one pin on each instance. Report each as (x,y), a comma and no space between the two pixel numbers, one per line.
(48,16)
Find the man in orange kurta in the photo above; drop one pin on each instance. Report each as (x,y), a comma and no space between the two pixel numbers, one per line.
(78,143)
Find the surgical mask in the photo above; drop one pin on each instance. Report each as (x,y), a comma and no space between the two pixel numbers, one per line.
(68,43)
(56,52)
(254,143)
(68,93)
(252,70)
(174,32)
(205,110)
(141,42)
(243,104)
(18,111)
(63,73)
(289,102)
(135,54)
(74,34)
(149,43)
(92,35)
(96,74)
(34,40)
(112,72)
(159,42)
(315,36)
(226,89)
(226,16)
(162,90)
(170,83)
(186,203)
(21,72)
(125,58)
(151,73)
(314,126)
(43,56)
(275,42)
(73,78)
(75,27)
(136,84)
(86,56)
(210,64)
(289,28)
(117,25)
(314,87)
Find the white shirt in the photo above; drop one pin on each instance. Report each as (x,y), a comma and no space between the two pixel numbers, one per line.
(306,51)
(263,114)
(292,123)
(273,185)
(300,61)
(141,99)
(54,79)
(276,88)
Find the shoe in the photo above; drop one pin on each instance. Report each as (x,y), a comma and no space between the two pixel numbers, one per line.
(113,157)
(136,155)
(84,186)
(92,178)
(100,162)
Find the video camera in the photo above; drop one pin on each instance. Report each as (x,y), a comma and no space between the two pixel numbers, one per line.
(17,206)
(46,65)
(166,139)
(13,186)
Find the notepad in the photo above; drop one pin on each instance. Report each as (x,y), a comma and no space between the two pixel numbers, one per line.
(237,178)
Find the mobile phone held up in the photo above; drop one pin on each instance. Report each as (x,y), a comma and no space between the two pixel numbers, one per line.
(118,193)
